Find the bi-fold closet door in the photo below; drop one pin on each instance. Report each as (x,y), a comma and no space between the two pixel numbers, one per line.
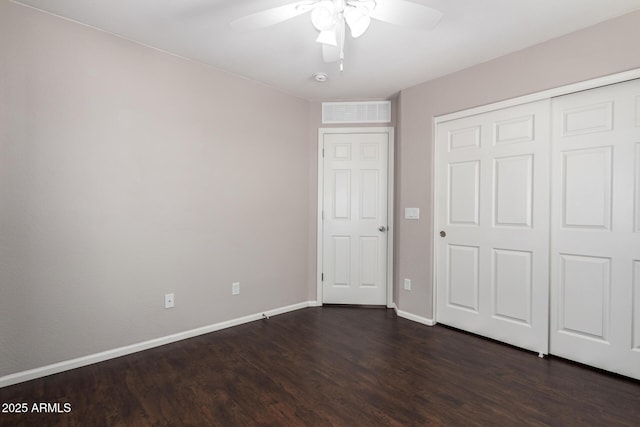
(538,210)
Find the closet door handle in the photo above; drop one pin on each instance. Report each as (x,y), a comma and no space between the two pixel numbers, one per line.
(443,234)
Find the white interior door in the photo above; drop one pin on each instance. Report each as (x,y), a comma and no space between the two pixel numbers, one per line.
(493,215)
(595,258)
(354,209)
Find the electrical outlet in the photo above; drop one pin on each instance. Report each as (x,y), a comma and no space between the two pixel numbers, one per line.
(169,301)
(407,284)
(235,288)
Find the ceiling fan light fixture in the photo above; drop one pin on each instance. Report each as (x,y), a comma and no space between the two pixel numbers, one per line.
(358,20)
(328,37)
(323,16)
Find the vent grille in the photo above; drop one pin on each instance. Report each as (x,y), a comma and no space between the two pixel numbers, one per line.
(356,112)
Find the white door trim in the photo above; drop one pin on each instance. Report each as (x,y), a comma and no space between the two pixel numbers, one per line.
(537,96)
(390,204)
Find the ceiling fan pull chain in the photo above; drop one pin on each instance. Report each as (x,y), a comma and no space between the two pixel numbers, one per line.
(343,35)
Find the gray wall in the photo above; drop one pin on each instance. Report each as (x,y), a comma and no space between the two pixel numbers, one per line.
(603,49)
(127,173)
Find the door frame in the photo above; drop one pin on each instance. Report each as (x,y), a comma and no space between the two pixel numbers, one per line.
(537,96)
(389,130)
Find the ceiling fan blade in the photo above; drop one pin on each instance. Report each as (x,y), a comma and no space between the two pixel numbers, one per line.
(407,14)
(275,15)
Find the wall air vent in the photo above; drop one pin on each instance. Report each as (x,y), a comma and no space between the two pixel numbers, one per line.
(356,112)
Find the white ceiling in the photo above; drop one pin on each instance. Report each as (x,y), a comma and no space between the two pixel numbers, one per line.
(385,60)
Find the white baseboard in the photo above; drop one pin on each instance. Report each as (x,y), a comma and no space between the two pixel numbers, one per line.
(415,318)
(145,345)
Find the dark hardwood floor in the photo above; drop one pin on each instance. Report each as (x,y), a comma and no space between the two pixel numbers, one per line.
(331,366)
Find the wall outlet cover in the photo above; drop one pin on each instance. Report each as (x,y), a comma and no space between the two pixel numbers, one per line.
(169,301)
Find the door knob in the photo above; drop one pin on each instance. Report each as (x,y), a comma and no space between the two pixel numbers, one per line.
(382,228)
(443,234)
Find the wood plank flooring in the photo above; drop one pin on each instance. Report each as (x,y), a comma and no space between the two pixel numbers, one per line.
(331,366)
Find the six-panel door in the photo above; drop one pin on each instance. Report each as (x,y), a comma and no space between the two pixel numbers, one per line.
(493,205)
(595,257)
(355,218)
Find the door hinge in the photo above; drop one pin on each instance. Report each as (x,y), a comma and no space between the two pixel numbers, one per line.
(322,277)
(323,152)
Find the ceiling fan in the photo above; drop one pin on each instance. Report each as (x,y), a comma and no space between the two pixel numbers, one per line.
(332,17)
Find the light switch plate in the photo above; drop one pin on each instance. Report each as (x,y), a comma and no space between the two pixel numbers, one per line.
(411,213)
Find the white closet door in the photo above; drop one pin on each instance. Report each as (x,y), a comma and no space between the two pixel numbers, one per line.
(493,214)
(595,256)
